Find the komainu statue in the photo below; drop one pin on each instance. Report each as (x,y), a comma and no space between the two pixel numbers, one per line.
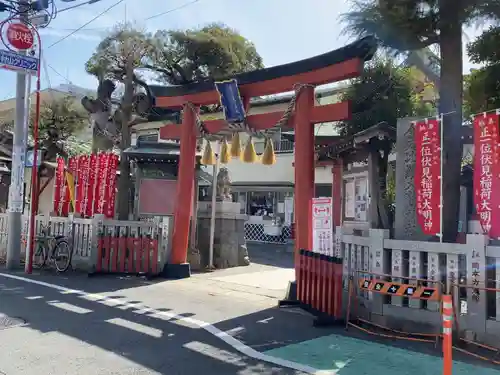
(224,185)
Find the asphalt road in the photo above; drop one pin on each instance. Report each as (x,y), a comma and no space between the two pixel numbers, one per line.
(55,331)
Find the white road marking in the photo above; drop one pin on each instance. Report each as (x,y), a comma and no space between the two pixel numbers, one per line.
(265,321)
(228,339)
(235,331)
(141,328)
(34,297)
(69,307)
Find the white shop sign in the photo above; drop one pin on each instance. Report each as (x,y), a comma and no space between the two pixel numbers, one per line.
(322,225)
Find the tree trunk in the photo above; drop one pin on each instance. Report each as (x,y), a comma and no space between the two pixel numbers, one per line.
(450,105)
(126,116)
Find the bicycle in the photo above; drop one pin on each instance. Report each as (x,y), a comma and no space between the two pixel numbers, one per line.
(52,248)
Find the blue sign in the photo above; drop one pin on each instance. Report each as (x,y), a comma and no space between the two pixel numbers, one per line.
(15,61)
(231,102)
(29,159)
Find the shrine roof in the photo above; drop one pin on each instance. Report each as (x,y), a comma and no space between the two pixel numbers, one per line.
(362,49)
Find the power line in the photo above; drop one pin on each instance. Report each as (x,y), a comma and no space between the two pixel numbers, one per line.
(171,10)
(185,5)
(87,23)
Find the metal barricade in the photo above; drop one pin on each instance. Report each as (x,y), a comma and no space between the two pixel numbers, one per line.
(465,297)
(367,286)
(255,232)
(319,283)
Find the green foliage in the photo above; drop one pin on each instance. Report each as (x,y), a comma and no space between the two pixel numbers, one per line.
(484,50)
(406,25)
(178,56)
(215,51)
(60,119)
(124,45)
(382,93)
(482,86)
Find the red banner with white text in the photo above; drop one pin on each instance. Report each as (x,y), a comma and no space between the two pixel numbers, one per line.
(427,175)
(111,186)
(486,172)
(94,178)
(59,184)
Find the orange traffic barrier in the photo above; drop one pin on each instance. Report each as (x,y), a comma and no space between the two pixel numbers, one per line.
(369,282)
(447,334)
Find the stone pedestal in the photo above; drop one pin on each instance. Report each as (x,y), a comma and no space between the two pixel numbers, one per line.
(229,240)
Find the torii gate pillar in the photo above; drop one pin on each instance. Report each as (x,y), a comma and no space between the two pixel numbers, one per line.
(304,170)
(177,266)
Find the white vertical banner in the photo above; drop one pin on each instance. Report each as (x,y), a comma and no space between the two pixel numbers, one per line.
(16,189)
(322,226)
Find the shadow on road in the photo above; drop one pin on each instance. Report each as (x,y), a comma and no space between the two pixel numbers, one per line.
(151,338)
(160,340)
(271,255)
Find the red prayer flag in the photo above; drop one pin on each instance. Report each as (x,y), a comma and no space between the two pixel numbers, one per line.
(59,187)
(427,175)
(486,172)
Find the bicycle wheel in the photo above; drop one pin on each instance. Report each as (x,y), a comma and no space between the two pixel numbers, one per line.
(40,256)
(62,255)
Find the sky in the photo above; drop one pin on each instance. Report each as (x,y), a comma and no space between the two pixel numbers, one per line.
(282,30)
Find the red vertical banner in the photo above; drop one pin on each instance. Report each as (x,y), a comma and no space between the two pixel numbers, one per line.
(85,184)
(98,181)
(427,175)
(91,183)
(111,186)
(100,199)
(59,186)
(82,167)
(486,172)
(66,206)
(105,193)
(73,169)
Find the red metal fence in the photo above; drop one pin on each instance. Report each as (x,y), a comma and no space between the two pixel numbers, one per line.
(127,255)
(319,283)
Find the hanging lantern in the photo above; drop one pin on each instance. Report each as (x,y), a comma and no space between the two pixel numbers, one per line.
(208,157)
(268,156)
(225,155)
(249,154)
(236,146)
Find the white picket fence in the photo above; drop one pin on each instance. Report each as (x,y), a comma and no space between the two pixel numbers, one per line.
(83,234)
(475,264)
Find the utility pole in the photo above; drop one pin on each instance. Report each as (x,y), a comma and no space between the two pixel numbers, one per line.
(16,189)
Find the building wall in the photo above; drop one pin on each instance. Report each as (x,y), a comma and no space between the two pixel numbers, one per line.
(45,203)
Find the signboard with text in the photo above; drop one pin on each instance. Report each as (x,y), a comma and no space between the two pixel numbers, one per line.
(322,226)
(17,62)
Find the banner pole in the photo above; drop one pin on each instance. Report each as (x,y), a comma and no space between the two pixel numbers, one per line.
(441,140)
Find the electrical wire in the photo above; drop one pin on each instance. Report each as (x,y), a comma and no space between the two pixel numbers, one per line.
(171,10)
(141,20)
(86,23)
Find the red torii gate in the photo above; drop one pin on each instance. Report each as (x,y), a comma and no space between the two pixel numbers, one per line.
(334,66)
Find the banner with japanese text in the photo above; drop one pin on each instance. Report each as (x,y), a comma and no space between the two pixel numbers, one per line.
(86,185)
(111,186)
(82,169)
(100,192)
(486,172)
(59,183)
(427,175)
(90,188)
